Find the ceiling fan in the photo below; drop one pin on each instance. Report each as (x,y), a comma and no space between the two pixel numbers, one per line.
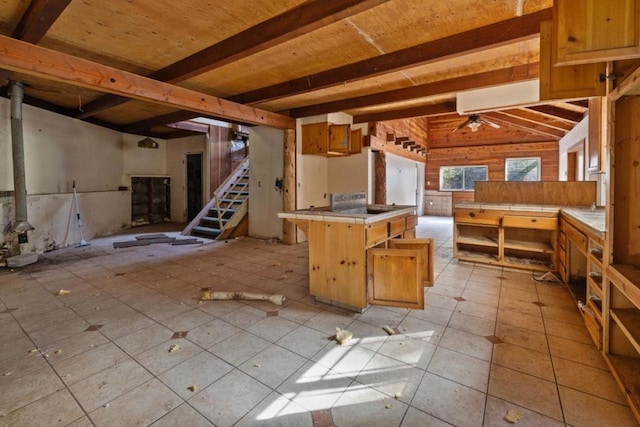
(474,121)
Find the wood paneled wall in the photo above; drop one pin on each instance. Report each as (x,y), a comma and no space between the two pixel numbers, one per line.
(416,129)
(494,157)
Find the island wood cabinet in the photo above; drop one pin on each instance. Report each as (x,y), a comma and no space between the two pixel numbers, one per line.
(520,239)
(355,264)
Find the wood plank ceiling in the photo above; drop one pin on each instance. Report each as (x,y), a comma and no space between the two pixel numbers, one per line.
(255,61)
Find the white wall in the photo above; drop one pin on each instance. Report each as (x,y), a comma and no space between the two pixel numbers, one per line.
(575,136)
(266,159)
(59,150)
(405,181)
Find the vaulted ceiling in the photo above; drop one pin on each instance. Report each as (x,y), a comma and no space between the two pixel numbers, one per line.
(139,65)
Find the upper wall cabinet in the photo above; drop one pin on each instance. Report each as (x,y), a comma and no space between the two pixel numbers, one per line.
(566,82)
(326,139)
(588,31)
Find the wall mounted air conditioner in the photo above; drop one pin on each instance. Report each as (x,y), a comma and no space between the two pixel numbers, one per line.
(493,98)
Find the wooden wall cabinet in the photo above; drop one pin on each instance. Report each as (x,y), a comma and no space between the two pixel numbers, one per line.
(566,82)
(589,31)
(326,139)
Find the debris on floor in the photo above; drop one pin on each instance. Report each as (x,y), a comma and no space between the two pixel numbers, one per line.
(388,330)
(547,277)
(173,348)
(148,239)
(513,416)
(192,388)
(62,292)
(398,395)
(227,295)
(342,335)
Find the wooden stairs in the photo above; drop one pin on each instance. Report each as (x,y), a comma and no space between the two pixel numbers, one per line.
(227,212)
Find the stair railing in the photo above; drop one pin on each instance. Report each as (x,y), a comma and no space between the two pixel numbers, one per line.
(217,195)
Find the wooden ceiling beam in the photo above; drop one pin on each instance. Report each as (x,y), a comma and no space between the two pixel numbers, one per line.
(38,18)
(498,34)
(34,24)
(37,61)
(558,112)
(474,81)
(293,23)
(524,125)
(539,118)
(406,113)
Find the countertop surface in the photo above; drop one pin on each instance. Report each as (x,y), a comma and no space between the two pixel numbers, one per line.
(367,215)
(594,221)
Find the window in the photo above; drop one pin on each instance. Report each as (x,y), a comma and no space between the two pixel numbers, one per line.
(461,178)
(522,169)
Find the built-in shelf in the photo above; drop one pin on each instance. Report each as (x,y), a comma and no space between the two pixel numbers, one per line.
(478,241)
(627,372)
(529,246)
(477,256)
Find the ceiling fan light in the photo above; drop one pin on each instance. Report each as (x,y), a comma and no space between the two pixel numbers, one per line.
(474,126)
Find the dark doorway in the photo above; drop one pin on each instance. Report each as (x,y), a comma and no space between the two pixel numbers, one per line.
(194,185)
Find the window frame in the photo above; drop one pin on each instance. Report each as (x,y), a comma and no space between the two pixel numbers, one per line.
(506,168)
(464,167)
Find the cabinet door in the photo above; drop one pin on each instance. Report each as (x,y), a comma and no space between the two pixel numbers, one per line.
(315,137)
(567,82)
(395,277)
(588,31)
(339,139)
(424,245)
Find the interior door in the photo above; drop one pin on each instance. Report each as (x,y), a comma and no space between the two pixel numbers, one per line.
(194,185)
(395,277)
(424,245)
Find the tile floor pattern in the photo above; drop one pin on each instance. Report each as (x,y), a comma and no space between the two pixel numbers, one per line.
(488,341)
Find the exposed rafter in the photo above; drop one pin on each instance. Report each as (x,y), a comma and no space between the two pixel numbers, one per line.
(177,116)
(45,63)
(505,75)
(427,110)
(305,18)
(520,28)
(539,118)
(525,125)
(558,112)
(38,18)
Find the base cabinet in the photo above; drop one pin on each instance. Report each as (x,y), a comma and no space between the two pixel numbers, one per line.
(354,265)
(506,238)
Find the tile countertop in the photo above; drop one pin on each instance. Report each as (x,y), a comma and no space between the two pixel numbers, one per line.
(376,213)
(594,221)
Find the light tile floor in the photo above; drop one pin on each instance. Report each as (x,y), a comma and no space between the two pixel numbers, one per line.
(488,341)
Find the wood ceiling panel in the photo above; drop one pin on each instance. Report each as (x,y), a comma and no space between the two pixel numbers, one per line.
(64,95)
(150,34)
(397,23)
(133,111)
(10,13)
(475,63)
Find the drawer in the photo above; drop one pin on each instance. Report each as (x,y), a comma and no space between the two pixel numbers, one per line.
(396,226)
(575,236)
(528,221)
(412,221)
(376,233)
(477,216)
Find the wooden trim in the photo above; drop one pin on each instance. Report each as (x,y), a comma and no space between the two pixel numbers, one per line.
(629,83)
(37,61)
(494,35)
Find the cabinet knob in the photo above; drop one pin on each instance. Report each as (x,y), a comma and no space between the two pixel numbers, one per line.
(472,214)
(534,220)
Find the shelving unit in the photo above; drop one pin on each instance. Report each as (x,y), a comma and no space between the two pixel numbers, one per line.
(514,239)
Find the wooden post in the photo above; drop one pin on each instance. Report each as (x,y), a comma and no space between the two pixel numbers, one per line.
(289,185)
(380,168)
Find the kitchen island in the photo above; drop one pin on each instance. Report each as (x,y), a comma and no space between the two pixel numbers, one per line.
(367,255)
